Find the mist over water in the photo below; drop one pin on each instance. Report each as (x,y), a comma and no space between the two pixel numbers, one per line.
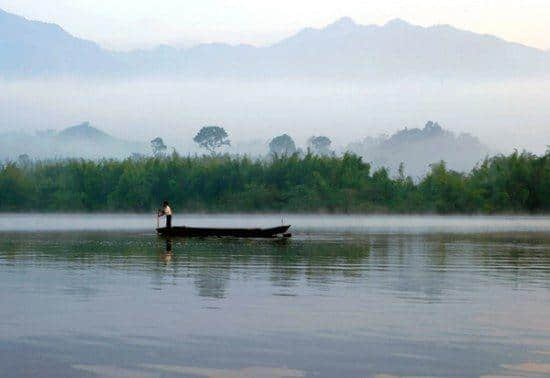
(363,224)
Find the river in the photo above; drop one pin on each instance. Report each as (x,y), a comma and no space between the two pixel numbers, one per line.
(347,296)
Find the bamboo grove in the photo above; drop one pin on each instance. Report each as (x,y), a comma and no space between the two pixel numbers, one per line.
(516,183)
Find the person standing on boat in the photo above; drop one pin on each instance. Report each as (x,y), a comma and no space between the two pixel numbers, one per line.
(167,212)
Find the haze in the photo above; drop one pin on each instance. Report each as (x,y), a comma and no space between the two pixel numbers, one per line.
(503,115)
(343,79)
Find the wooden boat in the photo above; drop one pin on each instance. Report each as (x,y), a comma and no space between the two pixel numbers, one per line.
(234,232)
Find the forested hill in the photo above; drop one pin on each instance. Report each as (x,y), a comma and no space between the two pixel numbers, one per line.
(420,147)
(80,141)
(518,183)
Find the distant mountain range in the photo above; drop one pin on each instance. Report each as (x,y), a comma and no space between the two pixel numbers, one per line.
(342,50)
(80,141)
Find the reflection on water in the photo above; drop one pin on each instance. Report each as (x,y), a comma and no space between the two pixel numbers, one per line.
(347,302)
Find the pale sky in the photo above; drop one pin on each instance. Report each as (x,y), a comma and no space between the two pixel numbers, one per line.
(126,24)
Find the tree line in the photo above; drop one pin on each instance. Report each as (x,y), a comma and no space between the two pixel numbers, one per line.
(515,183)
(212,138)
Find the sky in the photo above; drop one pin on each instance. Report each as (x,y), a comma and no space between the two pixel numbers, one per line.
(128,24)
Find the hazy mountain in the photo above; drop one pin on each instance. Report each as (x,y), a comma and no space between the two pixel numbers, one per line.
(400,49)
(84,132)
(32,48)
(418,148)
(342,50)
(77,141)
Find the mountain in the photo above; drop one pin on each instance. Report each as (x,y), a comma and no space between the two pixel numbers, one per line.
(84,132)
(342,50)
(399,49)
(418,148)
(38,48)
(80,141)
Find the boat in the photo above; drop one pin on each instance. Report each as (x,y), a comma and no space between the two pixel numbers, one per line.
(233,232)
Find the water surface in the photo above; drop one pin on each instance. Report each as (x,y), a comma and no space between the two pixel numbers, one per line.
(103,296)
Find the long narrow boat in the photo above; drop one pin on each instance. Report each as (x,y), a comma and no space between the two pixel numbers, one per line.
(234,232)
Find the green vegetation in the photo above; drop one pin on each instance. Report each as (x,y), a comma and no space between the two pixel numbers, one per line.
(519,182)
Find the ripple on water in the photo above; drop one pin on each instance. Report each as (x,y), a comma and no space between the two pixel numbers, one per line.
(350,297)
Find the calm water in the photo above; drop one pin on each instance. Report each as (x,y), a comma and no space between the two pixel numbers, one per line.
(100,296)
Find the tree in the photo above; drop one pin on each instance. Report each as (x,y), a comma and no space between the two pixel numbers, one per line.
(320,145)
(282,145)
(401,177)
(519,182)
(211,138)
(24,160)
(158,146)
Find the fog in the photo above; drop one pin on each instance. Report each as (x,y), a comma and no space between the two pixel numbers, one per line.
(345,81)
(504,115)
(306,225)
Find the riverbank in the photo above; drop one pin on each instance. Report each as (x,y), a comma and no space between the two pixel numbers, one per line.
(517,183)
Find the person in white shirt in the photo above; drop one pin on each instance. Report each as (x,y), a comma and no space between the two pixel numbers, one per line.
(167,212)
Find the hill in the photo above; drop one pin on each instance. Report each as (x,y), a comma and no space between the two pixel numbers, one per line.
(342,50)
(84,132)
(418,148)
(80,141)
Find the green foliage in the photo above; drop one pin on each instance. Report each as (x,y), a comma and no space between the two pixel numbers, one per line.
(15,188)
(519,182)
(212,138)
